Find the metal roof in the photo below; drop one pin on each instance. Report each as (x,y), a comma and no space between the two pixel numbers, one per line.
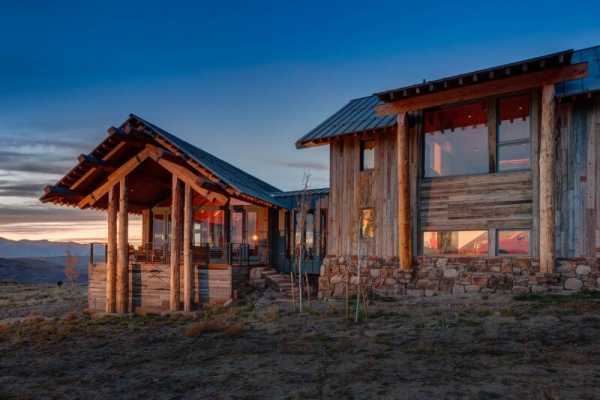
(292,198)
(358,116)
(590,83)
(231,175)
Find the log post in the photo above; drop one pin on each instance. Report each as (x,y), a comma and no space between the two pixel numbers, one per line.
(404,225)
(111,251)
(147,217)
(547,243)
(187,249)
(123,251)
(175,243)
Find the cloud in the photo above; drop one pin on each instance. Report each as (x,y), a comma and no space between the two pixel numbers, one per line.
(18,189)
(306,165)
(15,214)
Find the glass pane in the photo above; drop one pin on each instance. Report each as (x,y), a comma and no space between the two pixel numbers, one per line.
(310,234)
(455,243)
(298,233)
(367,223)
(367,155)
(514,118)
(237,218)
(252,232)
(513,156)
(456,141)
(513,242)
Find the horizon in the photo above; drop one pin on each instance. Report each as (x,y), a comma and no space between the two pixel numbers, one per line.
(243,85)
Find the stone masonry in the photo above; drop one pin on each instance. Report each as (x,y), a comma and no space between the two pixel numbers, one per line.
(456,275)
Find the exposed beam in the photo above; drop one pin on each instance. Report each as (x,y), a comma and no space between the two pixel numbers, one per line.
(115,177)
(63,192)
(404,225)
(95,162)
(491,88)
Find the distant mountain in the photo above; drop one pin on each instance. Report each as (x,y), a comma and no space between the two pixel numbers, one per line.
(39,270)
(40,248)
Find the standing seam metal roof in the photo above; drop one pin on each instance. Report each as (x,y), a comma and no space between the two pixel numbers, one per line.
(359,114)
(228,173)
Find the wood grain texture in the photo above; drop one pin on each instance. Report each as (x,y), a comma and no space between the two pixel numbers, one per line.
(122,291)
(175,243)
(111,251)
(403,174)
(547,157)
(188,224)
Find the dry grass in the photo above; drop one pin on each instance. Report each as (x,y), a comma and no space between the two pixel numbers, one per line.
(232,329)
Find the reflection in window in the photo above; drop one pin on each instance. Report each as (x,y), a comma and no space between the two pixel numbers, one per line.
(469,243)
(513,133)
(252,232)
(456,141)
(237,226)
(208,228)
(367,155)
(310,234)
(367,223)
(513,242)
(323,233)
(160,229)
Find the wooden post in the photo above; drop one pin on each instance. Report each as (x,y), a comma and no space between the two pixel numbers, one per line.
(547,249)
(111,251)
(123,251)
(147,217)
(175,242)
(187,249)
(404,225)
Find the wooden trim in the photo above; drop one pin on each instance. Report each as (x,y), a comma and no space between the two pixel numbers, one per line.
(496,87)
(80,181)
(547,159)
(492,124)
(123,251)
(534,126)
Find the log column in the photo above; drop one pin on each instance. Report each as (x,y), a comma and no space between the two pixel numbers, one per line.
(175,243)
(111,251)
(123,251)
(404,225)
(187,249)
(547,160)
(147,219)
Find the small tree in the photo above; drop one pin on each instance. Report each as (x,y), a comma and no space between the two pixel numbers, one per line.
(71,272)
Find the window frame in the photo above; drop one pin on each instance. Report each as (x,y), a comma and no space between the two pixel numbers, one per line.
(361,234)
(422,242)
(493,122)
(362,148)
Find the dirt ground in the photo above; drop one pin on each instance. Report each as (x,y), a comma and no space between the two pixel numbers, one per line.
(475,347)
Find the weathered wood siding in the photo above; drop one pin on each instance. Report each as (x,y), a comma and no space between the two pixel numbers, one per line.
(577,173)
(501,200)
(353,189)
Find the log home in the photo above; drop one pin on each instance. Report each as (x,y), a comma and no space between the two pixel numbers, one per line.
(484,180)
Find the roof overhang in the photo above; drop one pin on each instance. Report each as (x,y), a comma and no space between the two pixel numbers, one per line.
(530,73)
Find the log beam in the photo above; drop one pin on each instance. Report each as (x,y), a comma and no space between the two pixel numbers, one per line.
(187,249)
(404,225)
(547,243)
(111,251)
(123,251)
(479,90)
(175,243)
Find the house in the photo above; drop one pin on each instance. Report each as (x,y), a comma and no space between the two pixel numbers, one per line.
(481,181)
(468,182)
(205,222)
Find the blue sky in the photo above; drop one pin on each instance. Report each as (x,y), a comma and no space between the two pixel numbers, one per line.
(242,80)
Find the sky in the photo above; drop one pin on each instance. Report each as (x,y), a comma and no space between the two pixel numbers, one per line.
(242,80)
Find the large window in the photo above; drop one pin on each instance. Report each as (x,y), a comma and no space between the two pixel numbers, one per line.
(513,133)
(456,140)
(513,242)
(209,228)
(468,243)
(367,155)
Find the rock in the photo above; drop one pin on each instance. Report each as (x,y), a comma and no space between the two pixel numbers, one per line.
(339,290)
(354,280)
(472,288)
(573,284)
(414,292)
(520,289)
(336,279)
(598,282)
(375,273)
(390,282)
(450,273)
(583,269)
(538,289)
(430,293)
(441,262)
(423,284)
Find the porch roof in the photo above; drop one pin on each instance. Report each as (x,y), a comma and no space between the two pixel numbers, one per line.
(359,115)
(97,166)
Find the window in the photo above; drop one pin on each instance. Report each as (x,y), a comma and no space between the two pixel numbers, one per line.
(513,242)
(367,223)
(456,141)
(468,243)
(513,133)
(309,238)
(209,228)
(367,155)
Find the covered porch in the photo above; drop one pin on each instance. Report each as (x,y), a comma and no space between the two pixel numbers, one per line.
(200,233)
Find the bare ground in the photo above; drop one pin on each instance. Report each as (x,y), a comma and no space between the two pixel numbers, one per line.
(479,347)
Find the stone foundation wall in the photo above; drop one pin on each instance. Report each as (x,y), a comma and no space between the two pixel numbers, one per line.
(456,275)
